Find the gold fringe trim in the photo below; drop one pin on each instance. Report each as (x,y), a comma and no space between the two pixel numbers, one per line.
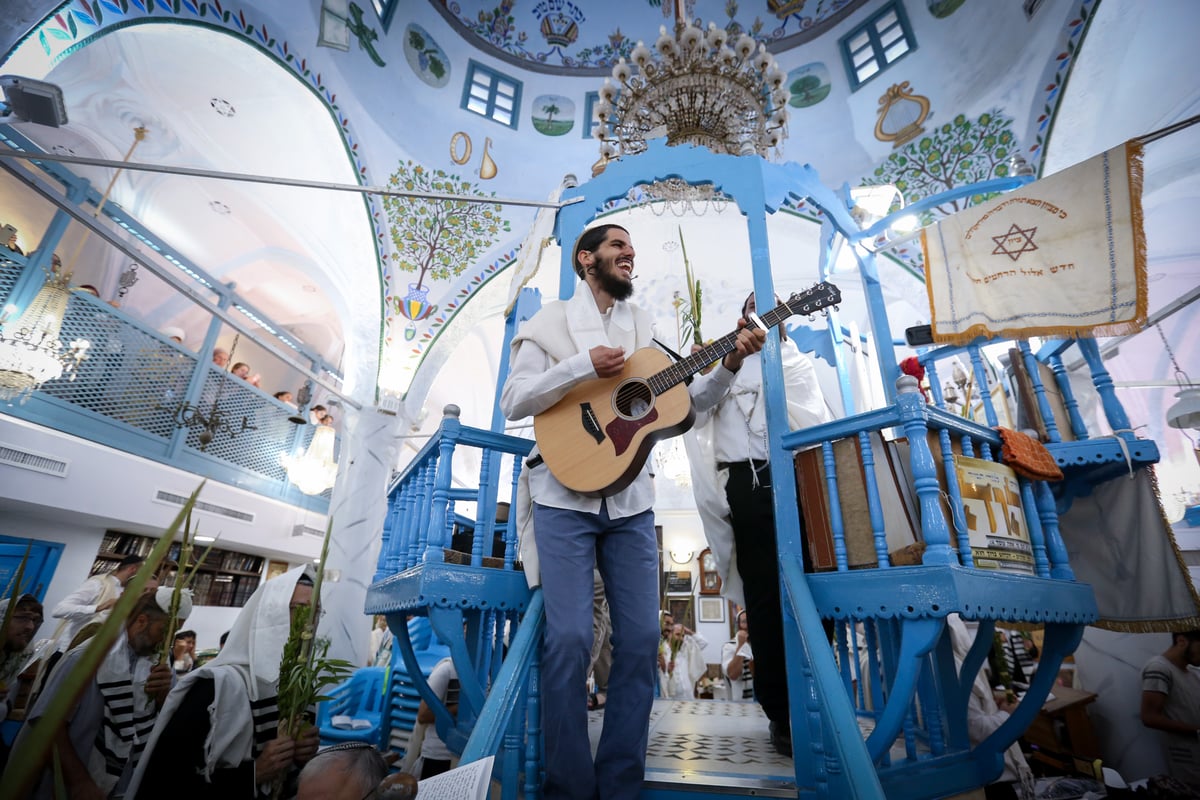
(1173,624)
(1134,169)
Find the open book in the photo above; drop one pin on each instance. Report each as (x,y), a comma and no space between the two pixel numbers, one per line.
(349,723)
(467,782)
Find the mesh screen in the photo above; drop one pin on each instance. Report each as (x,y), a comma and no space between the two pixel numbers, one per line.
(267,434)
(9,270)
(130,374)
(137,376)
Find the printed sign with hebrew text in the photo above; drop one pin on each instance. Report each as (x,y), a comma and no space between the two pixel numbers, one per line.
(995,520)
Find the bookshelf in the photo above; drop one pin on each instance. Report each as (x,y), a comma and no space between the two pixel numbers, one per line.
(225,577)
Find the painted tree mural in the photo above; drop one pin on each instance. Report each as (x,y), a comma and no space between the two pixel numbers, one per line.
(438,239)
(959,152)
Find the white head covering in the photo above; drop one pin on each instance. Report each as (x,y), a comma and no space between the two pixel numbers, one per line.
(245,671)
(162,598)
(173,332)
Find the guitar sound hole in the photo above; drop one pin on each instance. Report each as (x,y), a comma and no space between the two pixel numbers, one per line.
(633,399)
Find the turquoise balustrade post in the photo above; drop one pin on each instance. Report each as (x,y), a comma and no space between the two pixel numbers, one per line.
(1118,420)
(422,501)
(1056,550)
(911,405)
(440,499)
(1039,390)
(533,727)
(835,508)
(1078,426)
(1033,520)
(406,546)
(954,492)
(981,381)
(874,507)
(511,531)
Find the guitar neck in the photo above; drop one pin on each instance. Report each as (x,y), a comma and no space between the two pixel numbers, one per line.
(686,367)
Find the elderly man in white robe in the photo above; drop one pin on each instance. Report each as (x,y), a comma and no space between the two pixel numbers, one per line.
(101,740)
(92,601)
(681,663)
(218,733)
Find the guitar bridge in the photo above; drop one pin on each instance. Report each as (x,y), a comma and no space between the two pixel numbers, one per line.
(590,423)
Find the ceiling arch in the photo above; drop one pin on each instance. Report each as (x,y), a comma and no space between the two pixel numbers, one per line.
(216,98)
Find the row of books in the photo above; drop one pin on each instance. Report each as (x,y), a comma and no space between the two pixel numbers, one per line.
(234,592)
(126,544)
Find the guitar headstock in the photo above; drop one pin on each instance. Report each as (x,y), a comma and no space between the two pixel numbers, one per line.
(812,300)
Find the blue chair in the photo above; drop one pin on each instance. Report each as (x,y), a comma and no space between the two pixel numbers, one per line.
(360,698)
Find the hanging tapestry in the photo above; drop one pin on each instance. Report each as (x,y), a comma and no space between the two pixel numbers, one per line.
(1063,256)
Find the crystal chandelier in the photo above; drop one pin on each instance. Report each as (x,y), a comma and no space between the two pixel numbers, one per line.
(315,471)
(30,350)
(695,87)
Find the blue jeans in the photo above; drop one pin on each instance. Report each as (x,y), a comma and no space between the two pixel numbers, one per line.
(570,544)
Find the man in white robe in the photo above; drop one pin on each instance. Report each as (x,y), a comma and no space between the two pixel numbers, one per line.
(681,663)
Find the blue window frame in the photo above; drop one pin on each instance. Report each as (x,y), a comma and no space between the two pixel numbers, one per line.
(878,43)
(589,115)
(492,94)
(385,10)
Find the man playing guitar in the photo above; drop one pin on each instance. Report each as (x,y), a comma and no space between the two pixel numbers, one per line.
(563,345)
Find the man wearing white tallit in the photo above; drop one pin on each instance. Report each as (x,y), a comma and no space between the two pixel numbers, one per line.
(101,740)
(680,663)
(736,507)
(92,601)
(564,344)
(218,733)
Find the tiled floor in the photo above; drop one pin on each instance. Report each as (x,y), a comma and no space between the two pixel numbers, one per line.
(711,743)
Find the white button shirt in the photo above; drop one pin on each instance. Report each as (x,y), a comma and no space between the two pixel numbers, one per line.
(536,382)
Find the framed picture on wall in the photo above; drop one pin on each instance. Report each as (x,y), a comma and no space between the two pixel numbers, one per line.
(712,609)
(679,582)
(276,568)
(683,610)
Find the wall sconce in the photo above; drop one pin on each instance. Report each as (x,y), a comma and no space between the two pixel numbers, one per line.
(680,555)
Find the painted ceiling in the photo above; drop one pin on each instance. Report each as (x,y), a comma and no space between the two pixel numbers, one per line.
(332,91)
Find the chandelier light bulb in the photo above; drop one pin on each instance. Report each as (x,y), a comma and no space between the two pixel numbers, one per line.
(716,36)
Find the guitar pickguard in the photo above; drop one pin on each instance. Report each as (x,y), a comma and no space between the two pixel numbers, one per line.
(590,423)
(622,431)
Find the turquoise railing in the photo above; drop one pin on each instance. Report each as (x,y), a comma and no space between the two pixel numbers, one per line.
(127,391)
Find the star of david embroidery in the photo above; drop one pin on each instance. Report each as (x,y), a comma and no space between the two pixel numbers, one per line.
(1018,240)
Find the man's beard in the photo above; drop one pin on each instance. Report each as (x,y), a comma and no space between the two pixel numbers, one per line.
(612,281)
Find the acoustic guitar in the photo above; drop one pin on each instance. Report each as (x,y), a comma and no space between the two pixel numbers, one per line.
(597,437)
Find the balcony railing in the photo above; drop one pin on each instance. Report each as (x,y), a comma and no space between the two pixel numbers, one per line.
(128,392)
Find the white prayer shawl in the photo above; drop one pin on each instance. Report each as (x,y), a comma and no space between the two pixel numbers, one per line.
(806,406)
(529,259)
(1064,256)
(629,327)
(129,713)
(245,677)
(984,716)
(680,682)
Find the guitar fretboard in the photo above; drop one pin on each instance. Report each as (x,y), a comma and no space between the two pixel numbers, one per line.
(663,380)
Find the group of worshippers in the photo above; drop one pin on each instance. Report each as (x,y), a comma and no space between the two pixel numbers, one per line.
(140,729)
